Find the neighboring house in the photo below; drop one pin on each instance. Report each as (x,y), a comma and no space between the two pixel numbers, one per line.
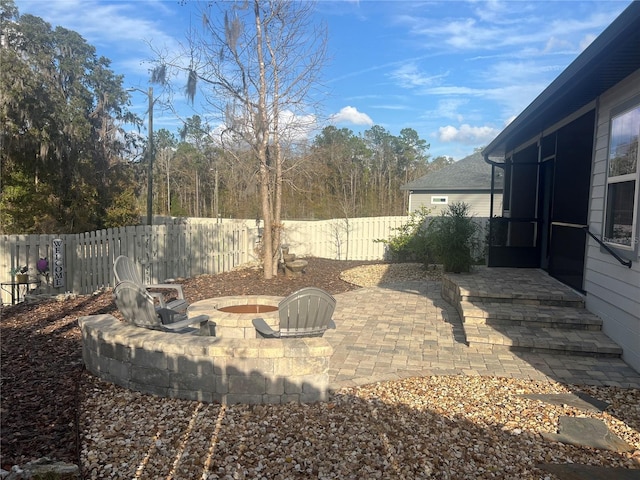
(571,171)
(467,180)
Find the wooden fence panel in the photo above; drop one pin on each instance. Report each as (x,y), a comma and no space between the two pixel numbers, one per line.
(185,249)
(175,243)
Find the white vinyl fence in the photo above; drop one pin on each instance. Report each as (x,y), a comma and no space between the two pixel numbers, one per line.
(180,248)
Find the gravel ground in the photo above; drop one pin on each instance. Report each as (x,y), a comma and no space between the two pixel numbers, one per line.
(381,274)
(445,427)
(442,427)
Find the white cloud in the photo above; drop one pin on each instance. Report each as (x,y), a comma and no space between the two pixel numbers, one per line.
(296,127)
(351,114)
(450,108)
(408,76)
(517,25)
(467,134)
(557,44)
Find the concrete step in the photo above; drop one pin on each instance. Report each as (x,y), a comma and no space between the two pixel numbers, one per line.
(554,299)
(549,316)
(512,286)
(540,339)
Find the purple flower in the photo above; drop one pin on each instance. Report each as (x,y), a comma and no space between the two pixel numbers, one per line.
(42,265)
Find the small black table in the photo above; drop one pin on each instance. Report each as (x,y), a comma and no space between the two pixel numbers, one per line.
(18,289)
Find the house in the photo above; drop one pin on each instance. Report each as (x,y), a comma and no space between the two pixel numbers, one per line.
(467,180)
(572,182)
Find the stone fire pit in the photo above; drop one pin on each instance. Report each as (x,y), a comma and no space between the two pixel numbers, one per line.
(233,315)
(232,367)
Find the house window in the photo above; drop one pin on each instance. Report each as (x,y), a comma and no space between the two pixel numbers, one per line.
(439,200)
(622,180)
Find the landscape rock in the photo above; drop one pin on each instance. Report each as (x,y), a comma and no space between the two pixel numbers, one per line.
(44,469)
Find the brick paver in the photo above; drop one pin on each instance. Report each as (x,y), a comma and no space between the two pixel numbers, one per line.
(407,329)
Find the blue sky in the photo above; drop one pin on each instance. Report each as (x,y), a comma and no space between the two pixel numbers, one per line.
(455,71)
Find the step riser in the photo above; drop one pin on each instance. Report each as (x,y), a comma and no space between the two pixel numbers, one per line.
(552,345)
(553,302)
(533,323)
(540,340)
(496,349)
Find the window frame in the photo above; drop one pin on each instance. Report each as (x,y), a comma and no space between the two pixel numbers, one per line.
(625,250)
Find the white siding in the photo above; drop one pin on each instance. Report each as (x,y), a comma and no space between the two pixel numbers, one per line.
(613,290)
(479,202)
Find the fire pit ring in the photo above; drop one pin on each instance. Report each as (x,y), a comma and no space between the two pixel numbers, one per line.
(233,315)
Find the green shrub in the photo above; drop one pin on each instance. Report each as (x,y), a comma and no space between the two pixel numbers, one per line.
(451,237)
(410,242)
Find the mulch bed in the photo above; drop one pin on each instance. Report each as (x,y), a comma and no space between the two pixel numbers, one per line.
(41,355)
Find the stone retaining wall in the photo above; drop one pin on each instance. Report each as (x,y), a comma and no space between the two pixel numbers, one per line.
(210,369)
(450,292)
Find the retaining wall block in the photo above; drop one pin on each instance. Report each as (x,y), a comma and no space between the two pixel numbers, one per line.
(119,369)
(148,358)
(247,399)
(220,350)
(275,386)
(90,342)
(150,376)
(170,348)
(150,389)
(221,383)
(296,347)
(194,395)
(106,349)
(290,398)
(301,366)
(254,384)
(246,366)
(271,349)
(292,387)
(180,381)
(315,384)
(272,399)
(313,397)
(195,345)
(190,365)
(101,364)
(252,351)
(133,337)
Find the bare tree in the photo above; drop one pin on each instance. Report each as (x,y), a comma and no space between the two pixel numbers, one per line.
(255,65)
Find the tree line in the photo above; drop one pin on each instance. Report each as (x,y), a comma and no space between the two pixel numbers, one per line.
(338,174)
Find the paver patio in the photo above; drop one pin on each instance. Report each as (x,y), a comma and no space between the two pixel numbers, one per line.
(407,329)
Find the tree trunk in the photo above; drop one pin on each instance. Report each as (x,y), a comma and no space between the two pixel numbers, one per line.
(262,135)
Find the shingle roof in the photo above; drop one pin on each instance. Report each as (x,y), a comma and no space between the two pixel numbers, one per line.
(470,173)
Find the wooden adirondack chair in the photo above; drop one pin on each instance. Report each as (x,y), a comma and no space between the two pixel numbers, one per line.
(138,307)
(305,313)
(125,269)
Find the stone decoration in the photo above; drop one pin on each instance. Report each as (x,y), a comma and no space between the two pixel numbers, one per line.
(292,267)
(44,468)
